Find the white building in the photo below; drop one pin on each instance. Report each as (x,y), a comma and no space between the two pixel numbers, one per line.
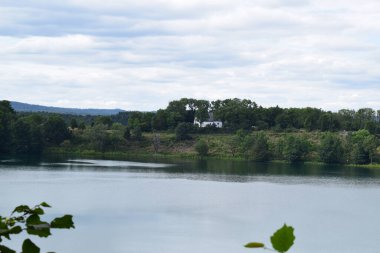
(209,122)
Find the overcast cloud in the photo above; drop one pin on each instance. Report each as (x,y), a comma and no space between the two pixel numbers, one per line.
(139,55)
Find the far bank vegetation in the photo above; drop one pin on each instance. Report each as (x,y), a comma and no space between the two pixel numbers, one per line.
(249,132)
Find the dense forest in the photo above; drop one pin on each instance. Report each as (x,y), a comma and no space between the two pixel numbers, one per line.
(246,114)
(249,131)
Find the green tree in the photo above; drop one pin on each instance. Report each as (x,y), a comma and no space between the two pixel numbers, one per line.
(137,133)
(55,130)
(278,149)
(73,123)
(236,113)
(347,119)
(127,133)
(27,137)
(233,143)
(96,137)
(143,120)
(363,116)
(371,143)
(21,137)
(310,117)
(325,122)
(177,113)
(159,120)
(331,149)
(283,121)
(364,146)
(260,147)
(202,148)
(371,126)
(359,155)
(7,115)
(104,120)
(246,145)
(82,126)
(37,143)
(261,125)
(156,141)
(295,148)
(34,124)
(270,114)
(183,130)
(115,139)
(202,110)
(117,127)
(243,141)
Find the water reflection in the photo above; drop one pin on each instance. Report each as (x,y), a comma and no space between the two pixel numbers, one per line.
(192,206)
(217,170)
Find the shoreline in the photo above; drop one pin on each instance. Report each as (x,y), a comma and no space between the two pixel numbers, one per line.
(124,155)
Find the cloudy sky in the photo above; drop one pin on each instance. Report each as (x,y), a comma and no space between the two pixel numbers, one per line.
(142,54)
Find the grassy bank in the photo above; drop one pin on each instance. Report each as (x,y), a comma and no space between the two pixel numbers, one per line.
(220,146)
(92,154)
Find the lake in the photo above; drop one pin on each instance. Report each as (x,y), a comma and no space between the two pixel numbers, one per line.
(211,206)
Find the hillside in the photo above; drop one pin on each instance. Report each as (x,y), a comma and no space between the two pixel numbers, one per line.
(24,107)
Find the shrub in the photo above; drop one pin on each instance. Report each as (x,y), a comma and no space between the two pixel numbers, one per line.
(127,133)
(295,148)
(364,147)
(183,130)
(331,149)
(202,148)
(136,133)
(260,148)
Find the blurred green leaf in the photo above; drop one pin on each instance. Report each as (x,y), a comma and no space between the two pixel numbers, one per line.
(254,245)
(33,219)
(41,230)
(38,210)
(15,230)
(4,249)
(283,239)
(29,247)
(19,219)
(11,222)
(65,221)
(44,204)
(29,219)
(22,209)
(3,231)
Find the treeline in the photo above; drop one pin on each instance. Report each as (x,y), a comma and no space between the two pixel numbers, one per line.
(246,114)
(235,114)
(29,134)
(86,120)
(346,136)
(359,147)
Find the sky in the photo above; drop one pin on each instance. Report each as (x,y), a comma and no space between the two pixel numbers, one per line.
(139,55)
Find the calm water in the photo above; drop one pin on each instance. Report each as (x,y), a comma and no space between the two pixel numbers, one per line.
(197,207)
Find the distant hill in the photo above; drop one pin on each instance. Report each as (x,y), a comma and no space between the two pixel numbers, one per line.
(23,107)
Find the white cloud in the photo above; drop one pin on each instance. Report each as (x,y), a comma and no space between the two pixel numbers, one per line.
(141,54)
(44,45)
